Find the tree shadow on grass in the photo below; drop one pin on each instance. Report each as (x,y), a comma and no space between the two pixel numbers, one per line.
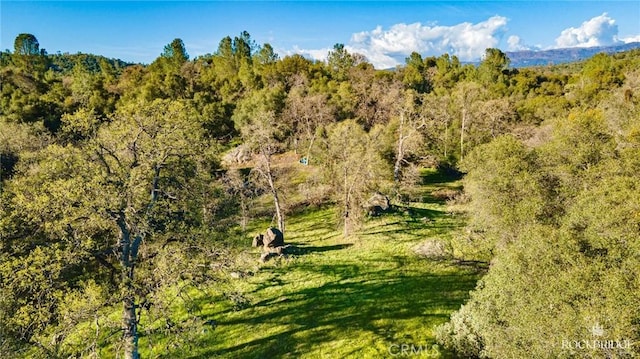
(318,236)
(299,249)
(440,176)
(373,301)
(414,222)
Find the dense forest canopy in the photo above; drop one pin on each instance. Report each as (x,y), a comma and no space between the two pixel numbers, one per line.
(122,182)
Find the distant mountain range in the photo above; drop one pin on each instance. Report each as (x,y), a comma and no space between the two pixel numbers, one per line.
(559,56)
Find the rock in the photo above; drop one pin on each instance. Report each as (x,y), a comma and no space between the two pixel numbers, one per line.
(240,154)
(273,238)
(377,204)
(272,243)
(235,275)
(265,256)
(434,249)
(258,241)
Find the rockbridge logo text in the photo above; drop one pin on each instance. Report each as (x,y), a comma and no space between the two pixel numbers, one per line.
(594,344)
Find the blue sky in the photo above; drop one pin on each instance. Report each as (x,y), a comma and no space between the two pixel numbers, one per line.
(385,32)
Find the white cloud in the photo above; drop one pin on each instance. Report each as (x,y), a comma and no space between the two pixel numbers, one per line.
(598,31)
(630,39)
(515,44)
(314,54)
(386,48)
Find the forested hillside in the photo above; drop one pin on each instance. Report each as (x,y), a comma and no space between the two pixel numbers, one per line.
(130,192)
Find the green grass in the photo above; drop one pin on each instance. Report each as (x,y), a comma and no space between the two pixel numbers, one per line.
(342,298)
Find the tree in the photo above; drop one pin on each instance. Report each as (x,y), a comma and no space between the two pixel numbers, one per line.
(491,71)
(266,55)
(306,113)
(148,150)
(552,278)
(495,118)
(261,135)
(244,47)
(372,94)
(340,61)
(508,188)
(28,54)
(415,74)
(577,145)
(438,110)
(109,207)
(257,117)
(410,122)
(26,44)
(353,169)
(176,52)
(599,75)
(566,216)
(447,73)
(467,96)
(233,65)
(242,191)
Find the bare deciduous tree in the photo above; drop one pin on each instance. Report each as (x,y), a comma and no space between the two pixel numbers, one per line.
(353,168)
(305,113)
(261,136)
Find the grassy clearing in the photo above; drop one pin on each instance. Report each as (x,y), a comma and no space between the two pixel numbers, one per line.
(342,298)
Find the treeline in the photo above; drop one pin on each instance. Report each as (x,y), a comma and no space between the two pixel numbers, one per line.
(558,212)
(113,189)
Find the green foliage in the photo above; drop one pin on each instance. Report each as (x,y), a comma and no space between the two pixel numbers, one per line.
(599,74)
(492,71)
(132,178)
(448,71)
(415,74)
(26,44)
(64,63)
(340,61)
(570,210)
(28,55)
(352,168)
(505,189)
(176,52)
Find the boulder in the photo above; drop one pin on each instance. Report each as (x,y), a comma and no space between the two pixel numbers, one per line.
(273,238)
(258,241)
(272,243)
(281,251)
(378,204)
(240,154)
(434,249)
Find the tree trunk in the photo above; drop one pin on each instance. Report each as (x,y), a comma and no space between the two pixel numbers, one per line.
(400,151)
(245,213)
(128,258)
(346,205)
(276,202)
(128,254)
(313,138)
(446,138)
(464,120)
(274,192)
(130,326)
